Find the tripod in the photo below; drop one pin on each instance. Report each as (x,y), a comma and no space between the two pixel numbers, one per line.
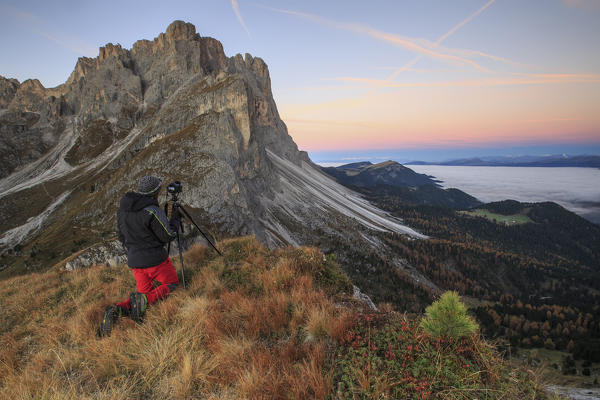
(179,207)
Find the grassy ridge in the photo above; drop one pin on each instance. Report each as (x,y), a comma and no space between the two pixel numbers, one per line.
(255,324)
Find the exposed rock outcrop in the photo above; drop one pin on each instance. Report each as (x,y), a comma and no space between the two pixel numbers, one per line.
(23,140)
(363,298)
(8,88)
(110,254)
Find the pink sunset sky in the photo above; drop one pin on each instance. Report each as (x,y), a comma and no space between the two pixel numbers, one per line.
(506,73)
(350,75)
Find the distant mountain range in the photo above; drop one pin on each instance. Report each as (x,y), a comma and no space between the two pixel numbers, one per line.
(394,179)
(556,160)
(367,174)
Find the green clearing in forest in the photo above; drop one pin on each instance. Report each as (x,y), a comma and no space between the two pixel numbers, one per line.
(499,218)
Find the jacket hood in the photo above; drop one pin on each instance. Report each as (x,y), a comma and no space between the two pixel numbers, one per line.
(135,202)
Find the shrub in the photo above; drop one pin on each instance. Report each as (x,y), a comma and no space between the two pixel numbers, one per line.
(448,317)
(387,356)
(568,366)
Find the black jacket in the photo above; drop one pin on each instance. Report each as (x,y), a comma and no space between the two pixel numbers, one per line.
(144,230)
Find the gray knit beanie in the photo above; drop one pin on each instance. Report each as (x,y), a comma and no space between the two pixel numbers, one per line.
(149,185)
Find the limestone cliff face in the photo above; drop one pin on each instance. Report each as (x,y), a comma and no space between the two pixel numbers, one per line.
(125,87)
(176,107)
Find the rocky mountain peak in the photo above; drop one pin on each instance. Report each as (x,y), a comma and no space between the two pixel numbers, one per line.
(180,30)
(8,88)
(388,166)
(366,174)
(29,96)
(32,85)
(112,50)
(83,65)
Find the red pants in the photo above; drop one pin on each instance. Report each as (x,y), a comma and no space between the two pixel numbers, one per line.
(144,278)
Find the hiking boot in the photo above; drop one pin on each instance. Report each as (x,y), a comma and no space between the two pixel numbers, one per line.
(139,302)
(124,312)
(111,314)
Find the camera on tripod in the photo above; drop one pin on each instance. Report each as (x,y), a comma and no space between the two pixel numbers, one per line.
(174,188)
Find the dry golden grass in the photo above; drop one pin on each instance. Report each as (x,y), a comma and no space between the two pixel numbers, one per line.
(251,325)
(254,324)
(317,323)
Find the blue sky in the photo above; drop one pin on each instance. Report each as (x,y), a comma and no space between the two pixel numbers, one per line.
(421,76)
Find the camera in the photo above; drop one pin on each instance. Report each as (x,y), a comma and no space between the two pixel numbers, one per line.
(174,187)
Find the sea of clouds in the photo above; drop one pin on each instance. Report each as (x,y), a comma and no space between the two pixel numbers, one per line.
(576,189)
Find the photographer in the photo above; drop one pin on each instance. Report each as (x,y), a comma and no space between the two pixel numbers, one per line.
(144,231)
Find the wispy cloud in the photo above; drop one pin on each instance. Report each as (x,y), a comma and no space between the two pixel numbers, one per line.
(418,46)
(562,77)
(40,27)
(446,36)
(420,70)
(236,10)
(585,4)
(477,53)
(536,121)
(70,44)
(526,79)
(464,22)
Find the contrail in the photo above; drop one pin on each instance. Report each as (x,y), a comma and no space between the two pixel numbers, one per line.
(441,39)
(236,10)
(398,40)
(526,79)
(464,22)
(36,24)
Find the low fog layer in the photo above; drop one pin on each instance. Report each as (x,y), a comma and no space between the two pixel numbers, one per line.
(576,189)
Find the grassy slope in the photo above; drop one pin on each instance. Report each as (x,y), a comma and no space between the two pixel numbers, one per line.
(255,324)
(87,215)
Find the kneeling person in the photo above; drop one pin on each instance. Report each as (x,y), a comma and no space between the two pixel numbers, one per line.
(144,231)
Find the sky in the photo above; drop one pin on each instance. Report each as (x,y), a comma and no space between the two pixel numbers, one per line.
(425,79)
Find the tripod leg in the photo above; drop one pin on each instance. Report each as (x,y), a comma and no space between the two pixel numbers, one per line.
(197,227)
(167,214)
(181,259)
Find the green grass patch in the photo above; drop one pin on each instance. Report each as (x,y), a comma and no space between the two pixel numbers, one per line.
(515,219)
